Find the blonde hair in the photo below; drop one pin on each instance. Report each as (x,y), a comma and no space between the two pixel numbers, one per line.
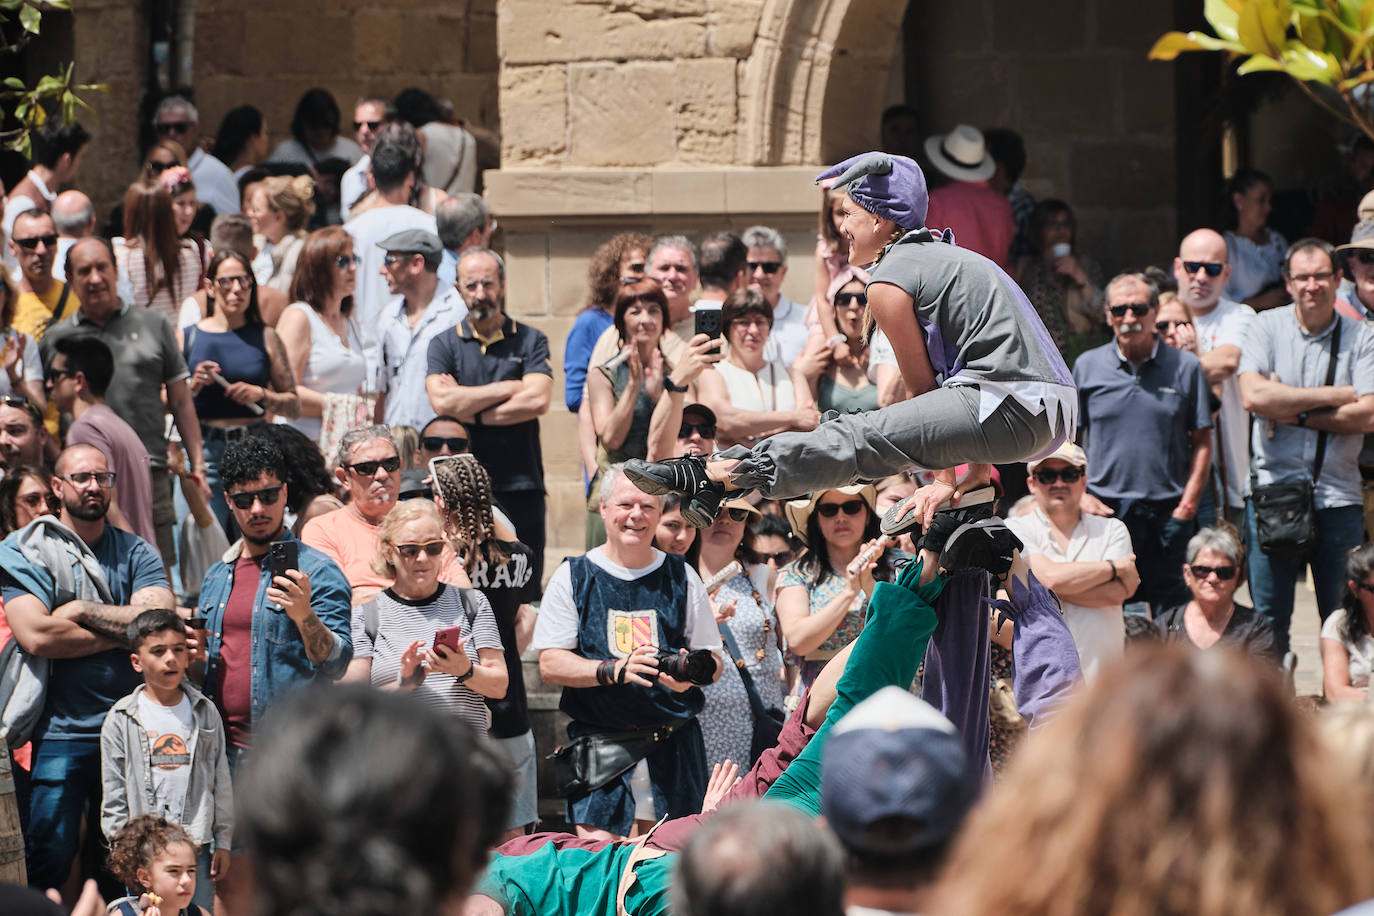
(401,514)
(293,197)
(1179,782)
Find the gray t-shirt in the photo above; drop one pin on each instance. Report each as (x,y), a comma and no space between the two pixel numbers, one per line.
(145,358)
(1277,347)
(123,449)
(977,322)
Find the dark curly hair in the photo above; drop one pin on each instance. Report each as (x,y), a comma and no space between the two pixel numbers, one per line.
(139,842)
(465,487)
(1358,565)
(363,803)
(306,473)
(249,458)
(603,271)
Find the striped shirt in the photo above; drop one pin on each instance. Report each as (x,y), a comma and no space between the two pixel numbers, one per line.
(401,621)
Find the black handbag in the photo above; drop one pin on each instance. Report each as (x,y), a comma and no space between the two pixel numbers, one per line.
(586,764)
(767,720)
(1285,512)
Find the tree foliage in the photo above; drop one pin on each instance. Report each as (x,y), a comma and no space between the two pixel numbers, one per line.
(54,95)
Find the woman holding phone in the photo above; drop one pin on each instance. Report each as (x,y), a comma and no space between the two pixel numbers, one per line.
(424,636)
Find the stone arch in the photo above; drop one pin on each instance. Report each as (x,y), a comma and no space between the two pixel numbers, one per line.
(813,86)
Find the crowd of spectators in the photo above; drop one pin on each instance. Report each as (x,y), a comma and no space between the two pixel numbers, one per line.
(276,429)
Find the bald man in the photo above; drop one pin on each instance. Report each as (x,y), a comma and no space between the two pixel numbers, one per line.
(1201,270)
(74,215)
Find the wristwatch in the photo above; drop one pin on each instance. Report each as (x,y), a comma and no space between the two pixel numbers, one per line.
(1302,418)
(669,386)
(463,678)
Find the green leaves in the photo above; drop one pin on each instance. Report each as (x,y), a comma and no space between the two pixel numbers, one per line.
(1328,42)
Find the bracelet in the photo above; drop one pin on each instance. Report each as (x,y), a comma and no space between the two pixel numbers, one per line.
(604,672)
(463,678)
(1113,566)
(1302,418)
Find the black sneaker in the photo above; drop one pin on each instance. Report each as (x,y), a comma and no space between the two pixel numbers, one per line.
(686,476)
(987,544)
(701,508)
(975,506)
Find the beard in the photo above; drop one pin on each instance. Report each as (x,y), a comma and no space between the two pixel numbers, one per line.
(264,539)
(483,309)
(86,510)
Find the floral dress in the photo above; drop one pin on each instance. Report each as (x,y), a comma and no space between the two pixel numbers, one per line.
(818,597)
(727,722)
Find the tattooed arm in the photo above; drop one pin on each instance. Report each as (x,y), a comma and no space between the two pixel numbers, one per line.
(291,593)
(281,399)
(110,621)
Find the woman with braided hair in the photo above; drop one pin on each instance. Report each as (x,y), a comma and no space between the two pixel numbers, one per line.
(503,571)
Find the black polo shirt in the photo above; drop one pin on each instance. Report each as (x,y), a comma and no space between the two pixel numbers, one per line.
(510,454)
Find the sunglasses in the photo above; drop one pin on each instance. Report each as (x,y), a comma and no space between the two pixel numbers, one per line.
(371,125)
(173,127)
(782,557)
(14,400)
(411,551)
(1365,587)
(844,299)
(768,267)
(30,243)
(368,468)
(737,514)
(1135,308)
(1224,573)
(34,500)
(1213,269)
(1164,327)
(157,167)
(1364,256)
(707,430)
(103,479)
(345,261)
(850,507)
(268,496)
(391,260)
(454,444)
(225,284)
(1050,475)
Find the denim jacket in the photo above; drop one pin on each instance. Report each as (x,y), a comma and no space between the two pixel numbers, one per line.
(279,662)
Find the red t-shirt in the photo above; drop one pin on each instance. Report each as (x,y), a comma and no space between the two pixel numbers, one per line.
(234,675)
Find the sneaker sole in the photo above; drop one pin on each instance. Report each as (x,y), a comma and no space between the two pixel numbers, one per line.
(643,481)
(993,535)
(894,524)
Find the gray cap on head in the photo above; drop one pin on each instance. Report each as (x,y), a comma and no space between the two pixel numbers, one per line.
(416,241)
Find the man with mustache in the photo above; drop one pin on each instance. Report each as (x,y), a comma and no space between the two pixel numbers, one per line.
(492,374)
(1145,419)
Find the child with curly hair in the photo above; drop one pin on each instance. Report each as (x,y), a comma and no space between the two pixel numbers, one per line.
(157,858)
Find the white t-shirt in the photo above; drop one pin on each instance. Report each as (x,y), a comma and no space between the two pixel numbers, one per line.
(1098,632)
(788,336)
(215,182)
(30,368)
(557,625)
(369,229)
(169,730)
(353,184)
(1361,653)
(1225,325)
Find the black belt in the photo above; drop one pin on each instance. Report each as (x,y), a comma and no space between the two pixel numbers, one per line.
(228,433)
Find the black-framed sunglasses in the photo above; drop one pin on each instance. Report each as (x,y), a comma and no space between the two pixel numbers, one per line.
(14,400)
(1048,476)
(1164,327)
(371,125)
(54,373)
(368,468)
(781,557)
(1364,255)
(173,127)
(737,514)
(1224,573)
(411,551)
(103,479)
(768,267)
(842,300)
(1213,268)
(345,261)
(706,430)
(849,507)
(157,166)
(455,444)
(268,496)
(392,258)
(1138,309)
(30,243)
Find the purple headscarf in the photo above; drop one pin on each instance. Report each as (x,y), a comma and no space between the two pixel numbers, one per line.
(892,187)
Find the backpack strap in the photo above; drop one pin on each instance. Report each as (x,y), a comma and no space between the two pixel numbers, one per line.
(370,622)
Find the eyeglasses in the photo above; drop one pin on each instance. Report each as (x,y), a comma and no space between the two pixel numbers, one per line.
(1365,587)
(369,468)
(751,321)
(1321,276)
(34,500)
(842,300)
(14,400)
(411,551)
(737,514)
(454,444)
(371,125)
(30,243)
(849,506)
(1048,476)
(173,127)
(706,430)
(1213,269)
(157,166)
(226,284)
(1135,308)
(103,479)
(1224,573)
(782,557)
(345,261)
(1164,327)
(391,260)
(768,267)
(244,499)
(1364,256)
(54,373)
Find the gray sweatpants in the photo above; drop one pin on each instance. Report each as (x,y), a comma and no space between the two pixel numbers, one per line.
(938,429)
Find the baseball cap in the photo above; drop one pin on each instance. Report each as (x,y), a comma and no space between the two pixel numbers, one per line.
(415,241)
(1066,452)
(894,756)
(702,411)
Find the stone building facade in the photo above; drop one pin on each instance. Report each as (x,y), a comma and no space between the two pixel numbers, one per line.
(686,115)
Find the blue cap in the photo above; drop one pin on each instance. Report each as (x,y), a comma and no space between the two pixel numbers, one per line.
(893,187)
(894,756)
